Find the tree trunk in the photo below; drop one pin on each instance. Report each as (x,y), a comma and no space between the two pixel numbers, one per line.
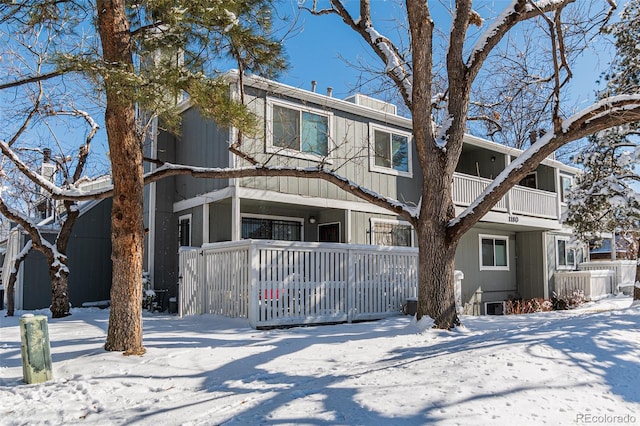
(10,290)
(436,293)
(127,231)
(59,292)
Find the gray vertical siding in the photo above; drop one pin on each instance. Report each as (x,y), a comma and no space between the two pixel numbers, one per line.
(550,250)
(165,272)
(350,158)
(530,264)
(35,282)
(220,221)
(89,261)
(495,285)
(202,143)
(552,263)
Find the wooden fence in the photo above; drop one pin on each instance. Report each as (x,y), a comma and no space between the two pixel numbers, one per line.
(624,271)
(278,283)
(594,284)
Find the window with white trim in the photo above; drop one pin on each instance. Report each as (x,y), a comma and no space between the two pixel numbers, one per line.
(298,131)
(184,230)
(494,253)
(390,151)
(261,227)
(565,254)
(530,180)
(391,233)
(565,186)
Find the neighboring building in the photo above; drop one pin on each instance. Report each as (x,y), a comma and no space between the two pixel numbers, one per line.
(513,252)
(89,260)
(602,251)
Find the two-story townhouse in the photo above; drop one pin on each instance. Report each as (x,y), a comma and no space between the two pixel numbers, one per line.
(513,252)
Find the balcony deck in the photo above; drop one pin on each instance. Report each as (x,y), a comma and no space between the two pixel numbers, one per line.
(518,201)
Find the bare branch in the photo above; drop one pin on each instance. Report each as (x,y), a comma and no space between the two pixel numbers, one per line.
(34,79)
(511,16)
(397,67)
(169,169)
(487,118)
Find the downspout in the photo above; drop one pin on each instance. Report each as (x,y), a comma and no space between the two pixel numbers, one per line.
(234,183)
(545,266)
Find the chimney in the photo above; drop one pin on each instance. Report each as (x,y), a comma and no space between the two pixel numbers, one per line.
(46,154)
(313,85)
(329,91)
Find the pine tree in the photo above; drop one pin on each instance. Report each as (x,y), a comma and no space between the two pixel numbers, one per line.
(204,33)
(606,197)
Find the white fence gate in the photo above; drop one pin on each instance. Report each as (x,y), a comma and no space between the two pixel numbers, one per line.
(275,283)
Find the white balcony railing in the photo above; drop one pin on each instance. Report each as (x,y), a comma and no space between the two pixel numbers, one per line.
(519,200)
(467,188)
(534,202)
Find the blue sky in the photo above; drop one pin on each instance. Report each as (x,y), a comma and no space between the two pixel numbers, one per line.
(317,43)
(314,51)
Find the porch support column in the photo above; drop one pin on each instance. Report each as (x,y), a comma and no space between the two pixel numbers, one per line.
(507,161)
(236,220)
(347,226)
(545,266)
(556,174)
(205,223)
(614,246)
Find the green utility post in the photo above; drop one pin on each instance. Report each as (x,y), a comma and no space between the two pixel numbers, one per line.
(35,348)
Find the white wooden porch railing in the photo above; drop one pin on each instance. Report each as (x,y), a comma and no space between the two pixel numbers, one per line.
(275,283)
(594,284)
(519,200)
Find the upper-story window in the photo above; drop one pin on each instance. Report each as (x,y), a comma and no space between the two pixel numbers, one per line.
(390,151)
(299,131)
(530,180)
(565,186)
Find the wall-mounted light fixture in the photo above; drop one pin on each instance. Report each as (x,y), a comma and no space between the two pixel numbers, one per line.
(312,219)
(493,158)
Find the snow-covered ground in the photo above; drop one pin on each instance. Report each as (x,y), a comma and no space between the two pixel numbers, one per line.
(557,368)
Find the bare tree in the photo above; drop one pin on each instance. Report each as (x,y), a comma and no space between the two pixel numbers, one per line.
(61,217)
